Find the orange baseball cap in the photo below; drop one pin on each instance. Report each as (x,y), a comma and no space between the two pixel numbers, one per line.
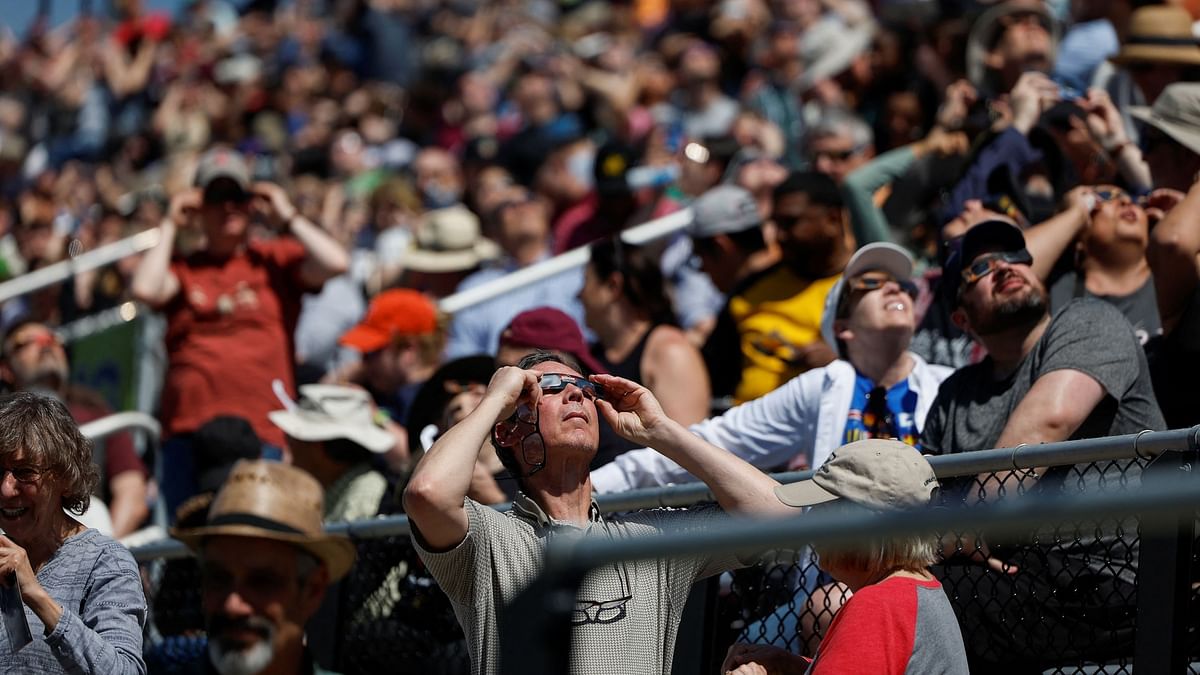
(392,313)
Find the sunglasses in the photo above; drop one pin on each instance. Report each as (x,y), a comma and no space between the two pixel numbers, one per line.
(41,340)
(553,383)
(875,282)
(223,192)
(986,264)
(1111,194)
(834,155)
(22,474)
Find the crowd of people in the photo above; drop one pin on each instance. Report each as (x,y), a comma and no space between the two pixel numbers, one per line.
(960,225)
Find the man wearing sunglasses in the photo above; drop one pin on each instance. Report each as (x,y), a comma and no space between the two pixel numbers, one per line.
(543,418)
(231,304)
(1080,373)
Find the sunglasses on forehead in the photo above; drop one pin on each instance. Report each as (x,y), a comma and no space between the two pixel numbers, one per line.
(986,264)
(552,383)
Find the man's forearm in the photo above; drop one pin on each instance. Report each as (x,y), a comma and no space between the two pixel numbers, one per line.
(737,485)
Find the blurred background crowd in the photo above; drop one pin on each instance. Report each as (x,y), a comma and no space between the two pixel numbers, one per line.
(366,159)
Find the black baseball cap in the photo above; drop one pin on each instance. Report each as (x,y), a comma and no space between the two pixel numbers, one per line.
(998,233)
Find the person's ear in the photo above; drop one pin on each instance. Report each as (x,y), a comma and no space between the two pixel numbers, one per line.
(725,244)
(614,282)
(841,330)
(506,434)
(959,318)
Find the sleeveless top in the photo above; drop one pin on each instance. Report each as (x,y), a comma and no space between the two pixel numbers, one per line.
(629,368)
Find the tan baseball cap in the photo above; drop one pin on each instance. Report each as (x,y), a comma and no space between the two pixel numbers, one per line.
(877,473)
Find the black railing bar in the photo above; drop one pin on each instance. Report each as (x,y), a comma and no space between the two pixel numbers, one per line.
(983,461)
(1147,444)
(1150,502)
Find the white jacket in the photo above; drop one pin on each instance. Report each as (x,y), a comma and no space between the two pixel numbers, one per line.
(806,415)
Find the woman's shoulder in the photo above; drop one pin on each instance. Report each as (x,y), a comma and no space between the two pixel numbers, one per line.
(97,550)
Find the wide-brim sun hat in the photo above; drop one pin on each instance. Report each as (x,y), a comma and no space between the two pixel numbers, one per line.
(327,412)
(270,500)
(1176,113)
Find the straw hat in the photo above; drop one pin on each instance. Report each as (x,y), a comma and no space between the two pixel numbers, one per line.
(449,240)
(271,500)
(1159,34)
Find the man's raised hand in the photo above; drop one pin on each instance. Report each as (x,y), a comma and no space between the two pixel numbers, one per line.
(631,410)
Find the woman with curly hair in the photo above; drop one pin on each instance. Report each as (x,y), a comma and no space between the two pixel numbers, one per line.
(81,591)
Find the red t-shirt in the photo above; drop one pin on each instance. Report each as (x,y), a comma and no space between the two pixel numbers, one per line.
(899,625)
(229,334)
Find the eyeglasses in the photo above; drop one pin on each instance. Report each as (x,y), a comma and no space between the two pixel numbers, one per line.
(1111,194)
(986,264)
(224,192)
(875,282)
(42,340)
(553,383)
(533,446)
(834,155)
(26,475)
(592,611)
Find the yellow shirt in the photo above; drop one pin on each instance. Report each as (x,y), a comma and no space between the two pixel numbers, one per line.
(776,317)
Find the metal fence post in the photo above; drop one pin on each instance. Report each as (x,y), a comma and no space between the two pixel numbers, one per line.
(1164,593)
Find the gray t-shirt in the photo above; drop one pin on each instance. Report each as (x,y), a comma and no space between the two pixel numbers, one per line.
(1087,335)
(627,614)
(972,407)
(1139,307)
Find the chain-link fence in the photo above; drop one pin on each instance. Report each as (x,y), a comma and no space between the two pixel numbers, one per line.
(1061,597)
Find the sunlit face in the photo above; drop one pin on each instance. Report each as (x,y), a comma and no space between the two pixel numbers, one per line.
(1010,296)
(595,296)
(1116,219)
(30,499)
(836,156)
(255,600)
(804,227)
(224,215)
(567,420)
(886,309)
(35,358)
(1023,45)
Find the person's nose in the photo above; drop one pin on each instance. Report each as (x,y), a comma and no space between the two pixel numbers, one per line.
(235,605)
(8,484)
(573,392)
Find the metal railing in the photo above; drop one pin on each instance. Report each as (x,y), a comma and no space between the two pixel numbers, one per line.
(544,608)
(143,241)
(123,421)
(61,271)
(1146,445)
